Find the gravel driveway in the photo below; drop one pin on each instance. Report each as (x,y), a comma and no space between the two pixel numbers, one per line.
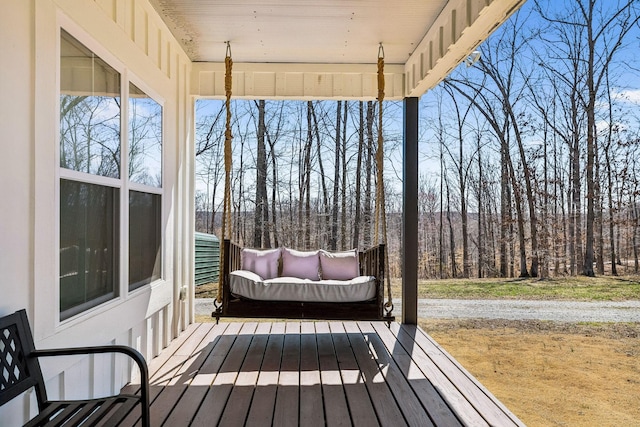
(559,311)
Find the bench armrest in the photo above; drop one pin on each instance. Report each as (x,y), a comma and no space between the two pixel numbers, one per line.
(132,353)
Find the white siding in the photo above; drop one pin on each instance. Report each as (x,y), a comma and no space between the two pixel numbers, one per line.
(16,157)
(129,35)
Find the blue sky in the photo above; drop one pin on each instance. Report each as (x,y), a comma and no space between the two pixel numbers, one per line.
(626,90)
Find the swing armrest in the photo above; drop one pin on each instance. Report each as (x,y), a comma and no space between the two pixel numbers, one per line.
(232,261)
(372,262)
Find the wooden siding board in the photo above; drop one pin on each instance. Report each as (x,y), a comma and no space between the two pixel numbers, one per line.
(109,7)
(297,81)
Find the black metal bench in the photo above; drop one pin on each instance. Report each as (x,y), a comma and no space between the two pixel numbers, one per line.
(20,370)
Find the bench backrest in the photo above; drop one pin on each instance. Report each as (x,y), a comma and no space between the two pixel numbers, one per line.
(18,371)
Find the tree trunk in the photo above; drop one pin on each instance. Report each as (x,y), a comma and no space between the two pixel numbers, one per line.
(599,226)
(261,214)
(609,173)
(333,239)
(343,208)
(520,219)
(634,232)
(306,167)
(544,250)
(505,210)
(274,178)
(323,221)
(587,269)
(480,210)
(452,243)
(361,147)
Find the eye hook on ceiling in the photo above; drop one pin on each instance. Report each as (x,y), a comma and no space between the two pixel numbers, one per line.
(228,48)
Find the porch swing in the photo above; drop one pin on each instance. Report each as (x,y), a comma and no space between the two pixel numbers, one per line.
(371,264)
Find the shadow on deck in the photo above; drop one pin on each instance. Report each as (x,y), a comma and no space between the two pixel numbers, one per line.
(315,373)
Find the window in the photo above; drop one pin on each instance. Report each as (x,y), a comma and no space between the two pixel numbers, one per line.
(89,203)
(145,175)
(145,139)
(89,111)
(97,176)
(144,238)
(88,245)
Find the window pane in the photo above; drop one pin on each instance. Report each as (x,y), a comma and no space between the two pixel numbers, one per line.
(89,111)
(89,245)
(145,217)
(145,138)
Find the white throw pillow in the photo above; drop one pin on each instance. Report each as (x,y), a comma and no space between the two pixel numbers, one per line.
(301,264)
(342,265)
(263,262)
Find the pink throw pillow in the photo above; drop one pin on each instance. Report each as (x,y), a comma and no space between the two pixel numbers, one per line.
(263,262)
(343,265)
(301,264)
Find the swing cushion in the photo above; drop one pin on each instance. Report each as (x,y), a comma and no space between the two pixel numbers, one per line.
(342,265)
(263,262)
(249,285)
(300,264)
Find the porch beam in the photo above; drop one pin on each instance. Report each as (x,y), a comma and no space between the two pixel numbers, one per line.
(459,29)
(410,212)
(297,81)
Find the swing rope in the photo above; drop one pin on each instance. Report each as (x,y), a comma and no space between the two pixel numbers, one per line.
(380,228)
(228,137)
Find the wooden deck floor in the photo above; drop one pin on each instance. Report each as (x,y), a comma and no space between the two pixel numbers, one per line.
(315,374)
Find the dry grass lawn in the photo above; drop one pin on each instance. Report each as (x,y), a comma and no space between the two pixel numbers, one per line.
(552,374)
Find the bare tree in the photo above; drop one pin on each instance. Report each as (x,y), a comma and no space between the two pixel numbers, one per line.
(604,28)
(358,188)
(333,239)
(261,214)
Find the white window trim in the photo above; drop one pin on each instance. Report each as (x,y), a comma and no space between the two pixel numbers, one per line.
(122,183)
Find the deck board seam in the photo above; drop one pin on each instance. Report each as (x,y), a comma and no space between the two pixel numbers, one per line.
(411,407)
(389,411)
(211,333)
(433,406)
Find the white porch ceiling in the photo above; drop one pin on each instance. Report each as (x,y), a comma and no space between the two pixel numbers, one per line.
(423,39)
(300,31)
